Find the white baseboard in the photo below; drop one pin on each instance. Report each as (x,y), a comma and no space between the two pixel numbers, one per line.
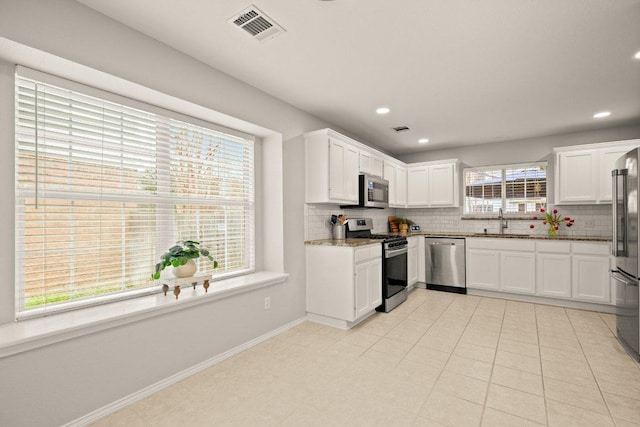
(153,388)
(603,308)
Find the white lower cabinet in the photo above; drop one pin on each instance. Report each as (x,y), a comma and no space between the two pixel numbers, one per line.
(343,283)
(506,265)
(553,269)
(577,271)
(413,260)
(483,269)
(518,272)
(590,270)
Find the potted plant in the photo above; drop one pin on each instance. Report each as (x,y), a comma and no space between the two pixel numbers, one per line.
(181,258)
(404,223)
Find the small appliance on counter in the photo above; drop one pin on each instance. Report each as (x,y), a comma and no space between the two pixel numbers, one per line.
(394,262)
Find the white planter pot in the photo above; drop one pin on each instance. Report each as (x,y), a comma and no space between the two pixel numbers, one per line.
(187,270)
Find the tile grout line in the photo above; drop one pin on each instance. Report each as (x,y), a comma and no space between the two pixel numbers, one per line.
(493,363)
(450,354)
(544,391)
(606,404)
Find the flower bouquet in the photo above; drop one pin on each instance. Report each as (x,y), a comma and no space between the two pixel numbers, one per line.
(553,220)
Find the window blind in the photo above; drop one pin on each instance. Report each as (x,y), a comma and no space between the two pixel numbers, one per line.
(514,188)
(103,189)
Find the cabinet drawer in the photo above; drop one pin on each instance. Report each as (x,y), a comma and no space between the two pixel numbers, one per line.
(591,248)
(504,244)
(367,253)
(554,247)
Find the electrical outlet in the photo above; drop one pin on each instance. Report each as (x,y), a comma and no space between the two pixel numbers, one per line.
(267,303)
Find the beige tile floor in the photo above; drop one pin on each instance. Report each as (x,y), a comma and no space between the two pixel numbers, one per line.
(440,359)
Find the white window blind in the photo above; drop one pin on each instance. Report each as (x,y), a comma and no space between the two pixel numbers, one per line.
(103,189)
(514,188)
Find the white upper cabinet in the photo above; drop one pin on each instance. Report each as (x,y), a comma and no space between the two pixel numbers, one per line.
(331,168)
(577,177)
(583,173)
(401,186)
(397,177)
(333,163)
(371,163)
(433,184)
(417,186)
(442,185)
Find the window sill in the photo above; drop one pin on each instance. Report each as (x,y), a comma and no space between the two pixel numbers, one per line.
(26,335)
(519,217)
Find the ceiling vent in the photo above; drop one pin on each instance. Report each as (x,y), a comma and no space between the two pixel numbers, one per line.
(256,23)
(401,128)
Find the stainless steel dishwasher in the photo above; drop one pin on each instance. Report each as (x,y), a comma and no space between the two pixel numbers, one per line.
(445,264)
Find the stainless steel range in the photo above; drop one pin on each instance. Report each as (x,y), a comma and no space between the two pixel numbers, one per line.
(394,263)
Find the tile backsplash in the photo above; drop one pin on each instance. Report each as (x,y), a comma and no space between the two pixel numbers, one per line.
(316,219)
(591,220)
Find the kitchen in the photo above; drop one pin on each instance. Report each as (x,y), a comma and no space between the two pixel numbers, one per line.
(31,36)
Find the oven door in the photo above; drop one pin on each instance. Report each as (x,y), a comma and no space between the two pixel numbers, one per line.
(394,272)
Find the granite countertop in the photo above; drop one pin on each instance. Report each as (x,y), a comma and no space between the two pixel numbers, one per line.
(353,243)
(505,236)
(363,242)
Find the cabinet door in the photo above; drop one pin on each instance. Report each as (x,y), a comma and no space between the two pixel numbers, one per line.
(518,272)
(483,269)
(412,260)
(377,166)
(577,175)
(351,174)
(343,172)
(591,278)
(365,162)
(362,289)
(390,175)
(441,185)
(417,186)
(401,186)
(553,275)
(608,159)
(375,283)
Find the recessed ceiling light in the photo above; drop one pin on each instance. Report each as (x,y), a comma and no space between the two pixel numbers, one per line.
(637,55)
(383,110)
(602,114)
(423,140)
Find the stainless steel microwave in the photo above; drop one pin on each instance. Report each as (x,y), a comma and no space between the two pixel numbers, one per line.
(373,192)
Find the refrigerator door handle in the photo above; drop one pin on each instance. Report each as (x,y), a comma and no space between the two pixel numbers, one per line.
(614,275)
(616,174)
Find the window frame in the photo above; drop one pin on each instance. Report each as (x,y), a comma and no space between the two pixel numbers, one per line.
(250,248)
(503,186)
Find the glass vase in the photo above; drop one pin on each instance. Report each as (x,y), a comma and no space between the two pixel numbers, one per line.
(552,230)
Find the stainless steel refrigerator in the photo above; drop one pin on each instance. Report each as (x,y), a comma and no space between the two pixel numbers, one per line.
(625,206)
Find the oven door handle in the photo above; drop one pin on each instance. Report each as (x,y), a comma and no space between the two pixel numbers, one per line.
(394,253)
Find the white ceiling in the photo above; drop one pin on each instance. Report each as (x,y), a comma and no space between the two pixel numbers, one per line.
(458,72)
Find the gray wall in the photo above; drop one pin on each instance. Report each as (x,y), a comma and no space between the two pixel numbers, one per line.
(523,150)
(56,384)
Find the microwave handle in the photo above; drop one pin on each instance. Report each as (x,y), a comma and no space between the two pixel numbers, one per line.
(616,174)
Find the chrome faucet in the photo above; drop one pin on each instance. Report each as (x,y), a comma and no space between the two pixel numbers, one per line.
(503,224)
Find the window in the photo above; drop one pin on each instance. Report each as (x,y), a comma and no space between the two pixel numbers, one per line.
(103,188)
(517,189)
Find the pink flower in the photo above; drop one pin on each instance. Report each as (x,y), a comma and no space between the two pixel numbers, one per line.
(532,226)
(544,222)
(542,210)
(566,218)
(557,227)
(555,211)
(535,218)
